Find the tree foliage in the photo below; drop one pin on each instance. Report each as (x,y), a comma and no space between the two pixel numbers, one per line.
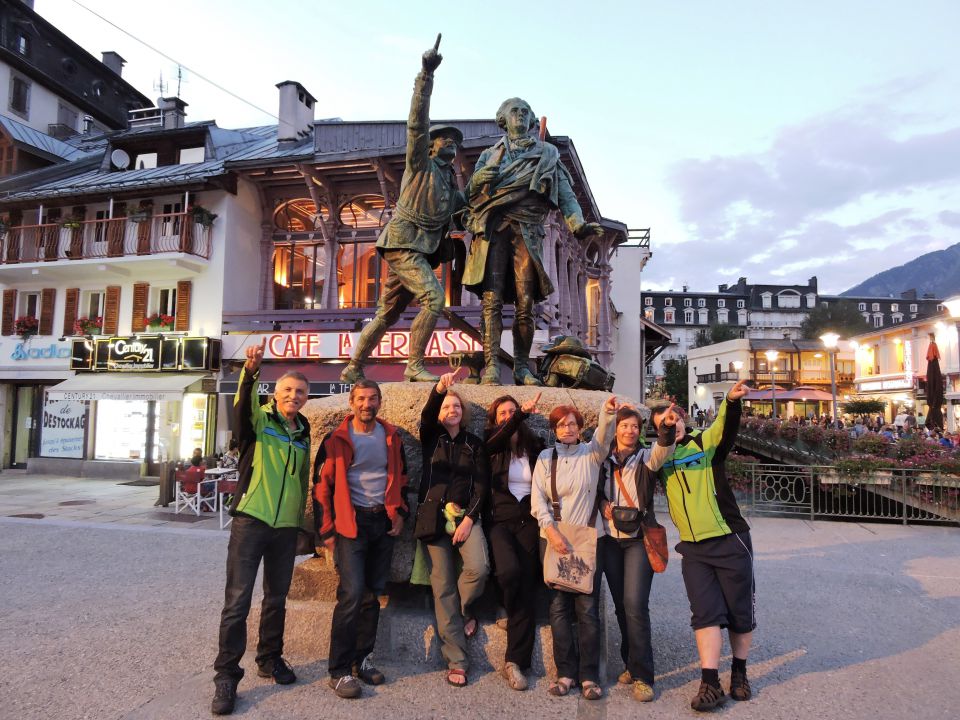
(716,333)
(675,380)
(841,317)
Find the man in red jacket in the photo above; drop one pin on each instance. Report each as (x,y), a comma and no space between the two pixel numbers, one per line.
(360,479)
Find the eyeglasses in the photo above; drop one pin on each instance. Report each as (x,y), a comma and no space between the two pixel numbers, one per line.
(565,425)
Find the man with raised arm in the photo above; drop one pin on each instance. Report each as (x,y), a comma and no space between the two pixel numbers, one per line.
(412,243)
(273,470)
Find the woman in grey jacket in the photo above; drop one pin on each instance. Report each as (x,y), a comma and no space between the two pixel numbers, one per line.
(577,472)
(627,479)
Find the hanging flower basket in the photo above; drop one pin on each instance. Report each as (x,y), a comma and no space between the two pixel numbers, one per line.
(26,327)
(159,322)
(202,216)
(72,224)
(88,326)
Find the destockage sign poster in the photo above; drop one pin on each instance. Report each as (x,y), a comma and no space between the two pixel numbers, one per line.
(61,435)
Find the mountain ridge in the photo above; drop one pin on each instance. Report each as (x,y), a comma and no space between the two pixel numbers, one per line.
(936,273)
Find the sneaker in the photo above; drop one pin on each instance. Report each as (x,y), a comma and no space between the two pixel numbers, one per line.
(514,676)
(345,686)
(740,686)
(225,697)
(708,697)
(625,678)
(279,670)
(642,692)
(368,673)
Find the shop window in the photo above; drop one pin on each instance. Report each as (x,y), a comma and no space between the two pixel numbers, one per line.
(297,215)
(298,275)
(20,96)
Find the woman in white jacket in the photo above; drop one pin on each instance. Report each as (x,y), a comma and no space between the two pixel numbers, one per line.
(578,468)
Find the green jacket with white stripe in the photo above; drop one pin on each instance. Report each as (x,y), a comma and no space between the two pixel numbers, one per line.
(274,465)
(702,504)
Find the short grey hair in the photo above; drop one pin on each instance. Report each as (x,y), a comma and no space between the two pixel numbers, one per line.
(299,376)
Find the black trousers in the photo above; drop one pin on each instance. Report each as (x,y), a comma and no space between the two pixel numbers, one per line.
(250,542)
(516,559)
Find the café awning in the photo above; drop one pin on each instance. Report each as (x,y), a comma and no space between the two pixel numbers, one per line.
(127,386)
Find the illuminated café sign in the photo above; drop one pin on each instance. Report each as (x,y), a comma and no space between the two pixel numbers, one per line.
(896,384)
(319,345)
(145,353)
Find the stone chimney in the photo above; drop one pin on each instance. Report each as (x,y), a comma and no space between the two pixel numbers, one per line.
(113,61)
(173,111)
(296,111)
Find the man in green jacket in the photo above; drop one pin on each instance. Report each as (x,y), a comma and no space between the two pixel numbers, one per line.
(267,511)
(715,545)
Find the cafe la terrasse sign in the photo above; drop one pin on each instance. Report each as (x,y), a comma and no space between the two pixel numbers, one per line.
(339,346)
(145,353)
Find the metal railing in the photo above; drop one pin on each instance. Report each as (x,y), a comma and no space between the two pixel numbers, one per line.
(718,377)
(820,492)
(107,238)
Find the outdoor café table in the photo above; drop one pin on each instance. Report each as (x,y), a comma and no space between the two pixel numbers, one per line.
(226,485)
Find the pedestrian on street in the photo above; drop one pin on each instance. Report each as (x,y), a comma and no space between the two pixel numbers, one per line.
(267,509)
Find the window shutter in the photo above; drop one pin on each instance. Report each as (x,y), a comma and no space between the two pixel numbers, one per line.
(48,298)
(9,311)
(141,294)
(70,310)
(184,288)
(111,311)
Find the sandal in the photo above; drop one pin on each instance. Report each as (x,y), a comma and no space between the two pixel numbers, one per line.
(591,691)
(470,627)
(561,687)
(708,697)
(457,677)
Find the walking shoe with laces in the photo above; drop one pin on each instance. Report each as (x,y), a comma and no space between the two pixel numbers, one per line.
(345,686)
(279,670)
(368,673)
(708,697)
(224,698)
(642,692)
(740,686)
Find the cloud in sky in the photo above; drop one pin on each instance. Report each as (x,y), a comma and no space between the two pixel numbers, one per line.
(826,192)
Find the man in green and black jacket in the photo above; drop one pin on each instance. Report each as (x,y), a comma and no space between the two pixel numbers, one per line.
(715,545)
(267,511)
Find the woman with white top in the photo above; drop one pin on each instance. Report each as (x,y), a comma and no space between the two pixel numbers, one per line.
(627,479)
(514,538)
(577,473)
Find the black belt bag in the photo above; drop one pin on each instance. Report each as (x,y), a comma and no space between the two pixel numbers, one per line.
(626,519)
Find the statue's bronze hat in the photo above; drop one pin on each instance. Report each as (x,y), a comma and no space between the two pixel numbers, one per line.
(450,130)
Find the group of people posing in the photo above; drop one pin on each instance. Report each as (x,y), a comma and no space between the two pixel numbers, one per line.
(501,496)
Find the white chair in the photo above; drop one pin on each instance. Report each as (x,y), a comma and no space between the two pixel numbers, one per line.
(194,492)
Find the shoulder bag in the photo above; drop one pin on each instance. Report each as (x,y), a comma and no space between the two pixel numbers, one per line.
(574,571)
(628,520)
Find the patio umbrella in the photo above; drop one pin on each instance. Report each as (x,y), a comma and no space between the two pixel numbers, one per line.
(764,394)
(935,387)
(809,394)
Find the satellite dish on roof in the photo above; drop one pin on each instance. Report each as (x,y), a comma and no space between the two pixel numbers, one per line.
(120,159)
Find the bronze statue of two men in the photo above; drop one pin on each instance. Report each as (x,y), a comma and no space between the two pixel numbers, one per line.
(515,184)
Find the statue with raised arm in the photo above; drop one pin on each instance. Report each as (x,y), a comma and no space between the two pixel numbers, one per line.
(413,242)
(515,184)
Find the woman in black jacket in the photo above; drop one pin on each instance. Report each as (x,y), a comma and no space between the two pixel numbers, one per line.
(455,465)
(514,535)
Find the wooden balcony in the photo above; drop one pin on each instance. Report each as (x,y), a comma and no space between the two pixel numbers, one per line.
(725,376)
(119,237)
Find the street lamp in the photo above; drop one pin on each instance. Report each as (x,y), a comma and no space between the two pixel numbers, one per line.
(738,366)
(953,307)
(830,343)
(772,356)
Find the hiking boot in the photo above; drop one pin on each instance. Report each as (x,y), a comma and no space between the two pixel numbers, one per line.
(708,697)
(346,686)
(224,698)
(351,373)
(279,670)
(642,692)
(368,673)
(739,686)
(418,373)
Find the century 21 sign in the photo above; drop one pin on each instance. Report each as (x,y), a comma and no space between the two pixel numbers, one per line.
(146,353)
